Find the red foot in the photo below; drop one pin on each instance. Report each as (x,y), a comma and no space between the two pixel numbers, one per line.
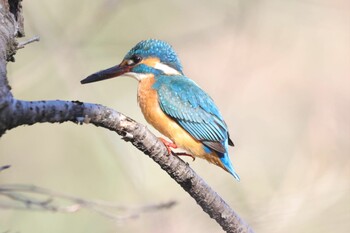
(168,145)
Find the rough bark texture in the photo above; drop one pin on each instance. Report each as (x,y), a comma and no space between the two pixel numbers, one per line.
(15,112)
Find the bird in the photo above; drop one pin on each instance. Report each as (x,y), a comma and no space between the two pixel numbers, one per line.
(173,103)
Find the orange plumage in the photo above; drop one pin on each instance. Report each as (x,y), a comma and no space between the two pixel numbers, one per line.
(154,115)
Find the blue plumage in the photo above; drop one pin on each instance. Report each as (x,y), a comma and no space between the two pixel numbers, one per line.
(195,111)
(159,49)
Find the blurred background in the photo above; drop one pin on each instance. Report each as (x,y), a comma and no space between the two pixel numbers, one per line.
(278,70)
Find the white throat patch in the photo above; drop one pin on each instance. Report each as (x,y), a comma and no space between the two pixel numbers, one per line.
(136,76)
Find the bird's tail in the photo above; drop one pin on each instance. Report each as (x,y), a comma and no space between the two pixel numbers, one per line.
(225,159)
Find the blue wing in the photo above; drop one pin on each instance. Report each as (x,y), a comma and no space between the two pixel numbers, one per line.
(193,109)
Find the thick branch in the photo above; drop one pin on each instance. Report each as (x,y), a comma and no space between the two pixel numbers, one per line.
(31,112)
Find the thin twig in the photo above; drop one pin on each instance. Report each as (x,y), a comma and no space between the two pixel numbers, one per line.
(4,167)
(21,45)
(22,196)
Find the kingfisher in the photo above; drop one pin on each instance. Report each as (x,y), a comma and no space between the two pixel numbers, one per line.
(174,104)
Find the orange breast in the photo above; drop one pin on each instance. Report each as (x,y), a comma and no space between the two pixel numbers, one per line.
(148,101)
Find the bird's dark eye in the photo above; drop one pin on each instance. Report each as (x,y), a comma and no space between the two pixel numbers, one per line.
(134,60)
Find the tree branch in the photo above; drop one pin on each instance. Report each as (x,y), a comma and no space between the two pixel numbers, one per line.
(20,112)
(24,43)
(45,199)
(15,112)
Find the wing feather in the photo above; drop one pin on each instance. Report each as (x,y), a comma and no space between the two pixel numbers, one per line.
(193,109)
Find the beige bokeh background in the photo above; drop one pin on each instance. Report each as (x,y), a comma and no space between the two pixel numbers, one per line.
(278,70)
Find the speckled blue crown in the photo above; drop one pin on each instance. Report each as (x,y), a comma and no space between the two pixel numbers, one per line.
(159,49)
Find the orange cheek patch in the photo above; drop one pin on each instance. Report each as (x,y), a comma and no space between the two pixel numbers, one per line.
(152,61)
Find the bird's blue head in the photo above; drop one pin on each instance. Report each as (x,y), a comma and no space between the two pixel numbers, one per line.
(147,57)
(155,52)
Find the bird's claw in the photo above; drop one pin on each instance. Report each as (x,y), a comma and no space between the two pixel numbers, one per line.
(185,154)
(168,145)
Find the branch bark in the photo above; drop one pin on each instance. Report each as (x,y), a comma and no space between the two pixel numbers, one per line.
(14,112)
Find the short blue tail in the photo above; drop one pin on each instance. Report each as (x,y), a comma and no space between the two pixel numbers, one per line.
(225,159)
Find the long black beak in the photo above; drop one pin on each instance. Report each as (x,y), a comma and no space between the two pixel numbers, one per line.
(112,72)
